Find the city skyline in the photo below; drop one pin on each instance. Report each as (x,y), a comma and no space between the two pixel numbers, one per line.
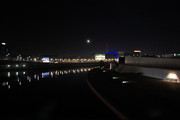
(63,29)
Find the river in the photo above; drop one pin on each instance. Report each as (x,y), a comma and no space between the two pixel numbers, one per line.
(50,94)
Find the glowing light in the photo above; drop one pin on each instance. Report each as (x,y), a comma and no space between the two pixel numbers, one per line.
(88,41)
(17,65)
(3,43)
(137,50)
(125,81)
(17,73)
(172,77)
(52,74)
(8,66)
(46,74)
(24,65)
(45,59)
(100,57)
(9,74)
(34,76)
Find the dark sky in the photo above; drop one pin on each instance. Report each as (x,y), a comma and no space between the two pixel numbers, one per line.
(63,28)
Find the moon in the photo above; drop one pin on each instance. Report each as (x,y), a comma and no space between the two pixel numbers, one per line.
(88,41)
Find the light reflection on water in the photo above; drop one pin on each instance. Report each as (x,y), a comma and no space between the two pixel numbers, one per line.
(18,78)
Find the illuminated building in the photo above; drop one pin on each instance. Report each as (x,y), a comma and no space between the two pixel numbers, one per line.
(4,53)
(99,56)
(137,53)
(45,60)
(114,54)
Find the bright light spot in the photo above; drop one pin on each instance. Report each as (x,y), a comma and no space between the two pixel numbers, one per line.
(24,73)
(24,65)
(35,59)
(34,76)
(17,73)
(9,86)
(137,50)
(45,59)
(8,65)
(17,65)
(3,43)
(100,57)
(115,77)
(125,81)
(88,41)
(172,77)
(52,74)
(9,74)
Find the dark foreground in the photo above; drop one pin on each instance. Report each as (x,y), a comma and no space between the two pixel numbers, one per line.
(50,95)
(137,97)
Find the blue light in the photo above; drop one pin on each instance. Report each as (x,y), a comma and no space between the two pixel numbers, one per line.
(113,52)
(46,74)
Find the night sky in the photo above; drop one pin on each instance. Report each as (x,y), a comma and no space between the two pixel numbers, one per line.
(62,28)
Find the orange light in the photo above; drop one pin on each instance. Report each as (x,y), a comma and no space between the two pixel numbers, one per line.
(137,50)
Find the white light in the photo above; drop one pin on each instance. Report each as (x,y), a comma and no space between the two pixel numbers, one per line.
(34,76)
(100,57)
(17,73)
(9,86)
(8,65)
(88,41)
(24,65)
(9,74)
(17,65)
(3,43)
(125,81)
(172,77)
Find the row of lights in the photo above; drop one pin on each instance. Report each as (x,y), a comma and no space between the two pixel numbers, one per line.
(16,65)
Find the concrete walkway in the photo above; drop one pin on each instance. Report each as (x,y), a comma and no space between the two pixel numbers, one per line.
(135,96)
